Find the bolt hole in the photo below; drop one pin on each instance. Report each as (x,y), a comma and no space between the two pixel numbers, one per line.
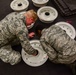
(64,31)
(26,58)
(19,4)
(47,13)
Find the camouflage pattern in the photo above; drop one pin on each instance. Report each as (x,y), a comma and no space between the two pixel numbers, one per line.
(58,45)
(13,30)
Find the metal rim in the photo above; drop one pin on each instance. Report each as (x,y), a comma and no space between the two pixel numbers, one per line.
(11,5)
(46,7)
(35,63)
(70,30)
(40,2)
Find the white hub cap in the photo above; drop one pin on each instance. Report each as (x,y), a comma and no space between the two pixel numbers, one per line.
(40,3)
(38,60)
(19,5)
(47,14)
(68,28)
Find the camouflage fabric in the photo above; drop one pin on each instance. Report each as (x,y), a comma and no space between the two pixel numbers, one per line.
(9,56)
(13,30)
(58,45)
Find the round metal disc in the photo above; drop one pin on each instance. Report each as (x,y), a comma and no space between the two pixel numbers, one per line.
(19,5)
(68,28)
(47,14)
(38,60)
(40,3)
